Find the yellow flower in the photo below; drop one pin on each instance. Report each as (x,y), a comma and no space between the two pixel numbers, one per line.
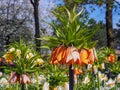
(18,52)
(39,61)
(102,66)
(9,56)
(29,55)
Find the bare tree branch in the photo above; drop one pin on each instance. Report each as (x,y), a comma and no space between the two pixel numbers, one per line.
(117,2)
(32,2)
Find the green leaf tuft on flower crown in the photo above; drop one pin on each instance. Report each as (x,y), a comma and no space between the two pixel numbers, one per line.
(69,30)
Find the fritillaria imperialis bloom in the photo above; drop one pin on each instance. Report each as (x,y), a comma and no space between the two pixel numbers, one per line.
(111,58)
(71,55)
(15,77)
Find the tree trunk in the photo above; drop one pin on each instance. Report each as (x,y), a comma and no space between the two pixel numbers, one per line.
(35,4)
(109,28)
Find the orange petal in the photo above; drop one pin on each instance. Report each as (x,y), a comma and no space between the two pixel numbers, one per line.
(78,71)
(83,56)
(91,56)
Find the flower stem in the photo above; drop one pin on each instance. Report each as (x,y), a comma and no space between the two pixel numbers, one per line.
(98,82)
(23,87)
(71,78)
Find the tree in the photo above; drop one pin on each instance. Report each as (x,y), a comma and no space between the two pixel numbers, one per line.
(35,4)
(109,8)
(15,22)
(109,27)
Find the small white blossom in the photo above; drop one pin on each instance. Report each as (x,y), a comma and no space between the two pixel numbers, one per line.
(110,83)
(11,50)
(101,76)
(66,86)
(18,52)
(4,82)
(29,55)
(41,79)
(86,80)
(45,86)
(33,80)
(59,88)
(95,69)
(118,78)
(105,78)
(1,74)
(89,66)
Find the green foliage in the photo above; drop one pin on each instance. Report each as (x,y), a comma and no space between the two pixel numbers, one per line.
(69,30)
(23,58)
(55,75)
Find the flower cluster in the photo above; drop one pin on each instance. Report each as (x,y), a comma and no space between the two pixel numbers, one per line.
(71,55)
(20,60)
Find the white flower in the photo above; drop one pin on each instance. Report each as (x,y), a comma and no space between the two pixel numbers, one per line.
(33,80)
(41,79)
(110,83)
(1,74)
(102,66)
(66,86)
(18,52)
(11,50)
(29,55)
(45,86)
(86,80)
(89,66)
(95,69)
(59,88)
(4,82)
(105,78)
(101,76)
(118,78)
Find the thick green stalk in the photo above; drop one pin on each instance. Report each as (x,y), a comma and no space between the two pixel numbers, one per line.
(98,79)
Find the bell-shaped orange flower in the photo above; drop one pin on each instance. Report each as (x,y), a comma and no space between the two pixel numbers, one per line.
(72,55)
(92,56)
(58,55)
(111,58)
(78,71)
(84,56)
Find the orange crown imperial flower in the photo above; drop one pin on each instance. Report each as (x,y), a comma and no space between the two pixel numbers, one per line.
(78,71)
(71,55)
(111,58)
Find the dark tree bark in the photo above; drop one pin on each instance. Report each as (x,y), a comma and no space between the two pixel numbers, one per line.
(35,4)
(109,28)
